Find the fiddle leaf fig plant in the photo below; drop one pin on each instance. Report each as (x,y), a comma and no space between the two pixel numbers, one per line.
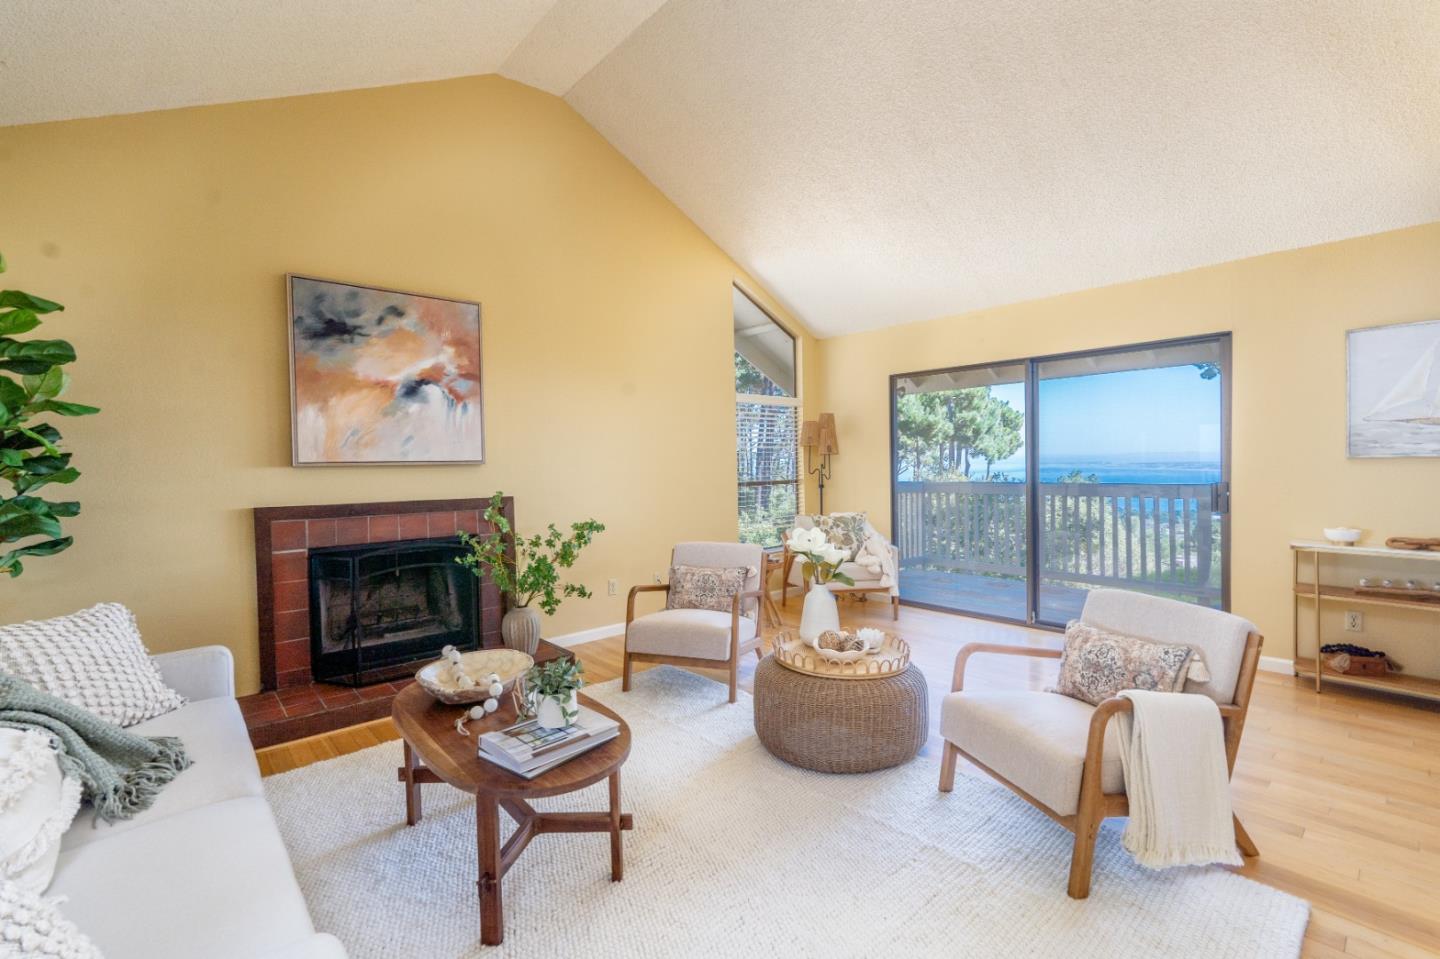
(32,380)
(536,573)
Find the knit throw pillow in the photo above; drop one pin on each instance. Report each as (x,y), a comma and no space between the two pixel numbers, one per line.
(1096,664)
(31,925)
(93,659)
(705,587)
(843,530)
(37,805)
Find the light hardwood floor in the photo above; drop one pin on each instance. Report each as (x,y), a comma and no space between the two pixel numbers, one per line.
(1340,791)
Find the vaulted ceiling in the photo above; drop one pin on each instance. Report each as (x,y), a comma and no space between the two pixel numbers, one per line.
(871,162)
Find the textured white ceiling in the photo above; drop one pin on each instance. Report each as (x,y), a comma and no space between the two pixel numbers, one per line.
(871,162)
(878,163)
(61,59)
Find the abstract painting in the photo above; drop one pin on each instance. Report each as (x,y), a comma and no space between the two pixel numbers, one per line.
(1394,379)
(383,377)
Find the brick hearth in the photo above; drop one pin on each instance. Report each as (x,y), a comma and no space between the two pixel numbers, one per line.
(290,705)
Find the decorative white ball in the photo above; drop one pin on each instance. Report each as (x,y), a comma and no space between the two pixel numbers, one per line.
(477,712)
(496,688)
(492,704)
(463,680)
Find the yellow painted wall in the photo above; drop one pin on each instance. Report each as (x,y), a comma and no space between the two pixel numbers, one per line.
(607,331)
(1288,313)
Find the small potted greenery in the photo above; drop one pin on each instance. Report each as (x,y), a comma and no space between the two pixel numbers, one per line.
(533,576)
(550,692)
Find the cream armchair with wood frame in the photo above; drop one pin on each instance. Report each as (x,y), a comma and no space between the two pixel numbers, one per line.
(865,581)
(1061,754)
(702,638)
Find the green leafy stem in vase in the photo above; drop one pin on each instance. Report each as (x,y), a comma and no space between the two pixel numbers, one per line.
(535,574)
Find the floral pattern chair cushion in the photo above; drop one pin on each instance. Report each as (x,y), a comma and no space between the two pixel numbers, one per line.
(705,587)
(844,531)
(1097,664)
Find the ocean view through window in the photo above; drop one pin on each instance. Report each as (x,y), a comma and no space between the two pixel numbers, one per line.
(1128,452)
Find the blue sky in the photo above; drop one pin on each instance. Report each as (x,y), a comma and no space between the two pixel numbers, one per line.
(1168,413)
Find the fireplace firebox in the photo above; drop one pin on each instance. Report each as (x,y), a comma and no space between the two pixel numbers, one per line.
(378,609)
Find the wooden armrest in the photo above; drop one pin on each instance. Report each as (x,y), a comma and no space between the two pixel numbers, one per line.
(636,590)
(1000,649)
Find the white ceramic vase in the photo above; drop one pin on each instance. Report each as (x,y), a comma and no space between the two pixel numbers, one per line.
(550,711)
(520,629)
(819,613)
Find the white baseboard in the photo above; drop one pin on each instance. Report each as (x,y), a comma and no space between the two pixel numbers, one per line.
(1274,664)
(588,635)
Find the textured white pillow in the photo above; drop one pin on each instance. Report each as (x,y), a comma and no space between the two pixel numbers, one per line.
(93,659)
(31,925)
(37,805)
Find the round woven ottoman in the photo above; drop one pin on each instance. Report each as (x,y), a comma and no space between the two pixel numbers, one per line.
(839,725)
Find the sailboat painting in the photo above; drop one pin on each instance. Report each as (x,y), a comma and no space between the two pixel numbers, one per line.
(1394,380)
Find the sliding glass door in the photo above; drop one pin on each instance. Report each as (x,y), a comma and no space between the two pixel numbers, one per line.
(1020,486)
(960,470)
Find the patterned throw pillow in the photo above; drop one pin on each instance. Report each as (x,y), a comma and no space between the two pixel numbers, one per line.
(844,531)
(1097,664)
(31,925)
(93,659)
(705,587)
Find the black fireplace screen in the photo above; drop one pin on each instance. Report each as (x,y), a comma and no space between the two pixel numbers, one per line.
(377,611)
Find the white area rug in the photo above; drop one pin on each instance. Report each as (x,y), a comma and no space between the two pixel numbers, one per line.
(735,853)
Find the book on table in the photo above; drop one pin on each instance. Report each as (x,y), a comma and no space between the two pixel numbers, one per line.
(529,749)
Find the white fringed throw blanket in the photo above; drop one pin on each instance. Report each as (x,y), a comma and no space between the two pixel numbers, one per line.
(1173,751)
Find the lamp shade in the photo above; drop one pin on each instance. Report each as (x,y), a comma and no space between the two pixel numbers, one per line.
(829,443)
(810,434)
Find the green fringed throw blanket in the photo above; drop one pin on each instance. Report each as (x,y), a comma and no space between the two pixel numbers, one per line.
(121,773)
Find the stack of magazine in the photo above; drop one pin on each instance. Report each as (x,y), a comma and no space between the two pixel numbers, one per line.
(529,749)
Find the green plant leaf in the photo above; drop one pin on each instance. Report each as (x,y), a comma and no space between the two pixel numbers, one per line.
(63,408)
(18,321)
(10,562)
(28,439)
(47,385)
(21,525)
(25,301)
(34,504)
(27,484)
(12,395)
(34,356)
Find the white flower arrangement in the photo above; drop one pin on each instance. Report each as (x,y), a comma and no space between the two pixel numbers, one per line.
(822,559)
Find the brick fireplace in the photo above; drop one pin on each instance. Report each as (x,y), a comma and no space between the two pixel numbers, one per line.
(292,704)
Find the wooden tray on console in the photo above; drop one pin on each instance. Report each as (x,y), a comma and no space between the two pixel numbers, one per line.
(1400,592)
(891,659)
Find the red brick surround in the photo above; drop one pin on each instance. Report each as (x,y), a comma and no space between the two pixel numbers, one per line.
(283,536)
(290,705)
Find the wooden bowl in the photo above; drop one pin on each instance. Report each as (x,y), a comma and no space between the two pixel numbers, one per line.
(508,664)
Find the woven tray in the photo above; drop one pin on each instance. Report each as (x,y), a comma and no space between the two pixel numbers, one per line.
(890,659)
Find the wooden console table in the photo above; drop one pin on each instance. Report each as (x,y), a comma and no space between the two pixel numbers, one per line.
(1309,553)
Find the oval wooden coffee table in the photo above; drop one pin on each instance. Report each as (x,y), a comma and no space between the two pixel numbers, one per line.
(436,753)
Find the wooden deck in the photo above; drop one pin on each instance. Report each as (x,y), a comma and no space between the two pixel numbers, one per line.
(1002,596)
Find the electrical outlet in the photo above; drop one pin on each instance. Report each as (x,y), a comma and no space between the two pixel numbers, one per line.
(1354,621)
(613,587)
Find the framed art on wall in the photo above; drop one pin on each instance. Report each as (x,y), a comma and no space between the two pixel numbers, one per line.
(1394,390)
(382,377)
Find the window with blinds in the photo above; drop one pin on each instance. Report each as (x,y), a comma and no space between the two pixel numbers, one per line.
(767,425)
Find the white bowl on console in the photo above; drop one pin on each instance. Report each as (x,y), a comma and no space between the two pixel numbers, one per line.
(1342,535)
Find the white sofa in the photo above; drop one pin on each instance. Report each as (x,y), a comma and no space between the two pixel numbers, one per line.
(203,871)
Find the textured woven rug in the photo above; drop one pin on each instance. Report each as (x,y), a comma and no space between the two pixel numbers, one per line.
(735,853)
